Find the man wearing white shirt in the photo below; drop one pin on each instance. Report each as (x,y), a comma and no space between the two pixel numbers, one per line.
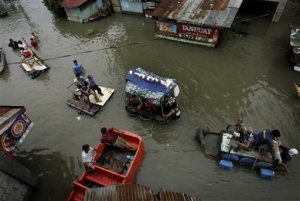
(87,158)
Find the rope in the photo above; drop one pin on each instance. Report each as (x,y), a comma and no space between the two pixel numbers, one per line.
(96,50)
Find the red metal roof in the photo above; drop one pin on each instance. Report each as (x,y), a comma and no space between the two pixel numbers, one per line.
(134,192)
(72,3)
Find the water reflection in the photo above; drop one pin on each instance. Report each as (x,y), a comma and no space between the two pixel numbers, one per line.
(102,29)
(5,74)
(55,172)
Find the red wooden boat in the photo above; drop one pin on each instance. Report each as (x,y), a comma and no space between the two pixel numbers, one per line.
(114,166)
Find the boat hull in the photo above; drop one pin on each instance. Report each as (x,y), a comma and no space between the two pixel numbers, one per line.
(106,173)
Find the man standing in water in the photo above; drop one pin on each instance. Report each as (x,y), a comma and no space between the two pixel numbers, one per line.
(77,68)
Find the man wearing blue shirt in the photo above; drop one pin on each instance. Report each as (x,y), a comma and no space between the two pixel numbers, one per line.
(77,68)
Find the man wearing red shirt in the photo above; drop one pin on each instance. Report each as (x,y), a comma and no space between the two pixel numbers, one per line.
(111,136)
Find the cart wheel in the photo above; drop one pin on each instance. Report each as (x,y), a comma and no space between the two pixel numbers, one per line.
(145,118)
(130,111)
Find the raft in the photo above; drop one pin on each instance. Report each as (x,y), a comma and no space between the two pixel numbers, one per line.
(33,66)
(221,145)
(93,108)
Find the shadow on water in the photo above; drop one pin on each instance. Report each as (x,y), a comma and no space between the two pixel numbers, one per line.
(55,172)
(5,74)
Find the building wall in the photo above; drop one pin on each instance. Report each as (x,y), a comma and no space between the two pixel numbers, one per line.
(99,4)
(195,34)
(88,11)
(12,189)
(132,6)
(83,13)
(116,5)
(73,14)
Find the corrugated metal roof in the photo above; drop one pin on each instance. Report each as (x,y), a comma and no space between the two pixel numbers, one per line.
(175,196)
(73,3)
(218,13)
(133,192)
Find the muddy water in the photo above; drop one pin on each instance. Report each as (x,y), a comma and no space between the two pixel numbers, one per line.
(247,76)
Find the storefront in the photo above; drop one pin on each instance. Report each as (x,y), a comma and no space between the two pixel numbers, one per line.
(201,35)
(197,22)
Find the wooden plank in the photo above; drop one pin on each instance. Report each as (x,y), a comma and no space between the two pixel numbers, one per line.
(103,99)
(83,107)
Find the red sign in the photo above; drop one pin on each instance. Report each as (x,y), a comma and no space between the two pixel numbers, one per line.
(197,31)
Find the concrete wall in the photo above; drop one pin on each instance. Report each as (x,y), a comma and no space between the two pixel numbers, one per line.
(88,11)
(12,189)
(16,181)
(73,14)
(82,14)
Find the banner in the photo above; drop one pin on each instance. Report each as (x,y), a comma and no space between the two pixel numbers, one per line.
(15,133)
(194,30)
(19,127)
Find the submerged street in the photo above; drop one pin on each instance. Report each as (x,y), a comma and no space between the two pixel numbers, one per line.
(246,77)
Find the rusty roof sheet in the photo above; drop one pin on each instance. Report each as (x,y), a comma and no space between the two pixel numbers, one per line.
(217,13)
(132,192)
(73,3)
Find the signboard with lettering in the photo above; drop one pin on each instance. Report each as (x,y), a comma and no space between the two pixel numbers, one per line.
(198,33)
(208,36)
(15,133)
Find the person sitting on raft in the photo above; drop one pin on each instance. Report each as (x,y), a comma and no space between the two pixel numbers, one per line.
(26,53)
(21,44)
(86,91)
(265,141)
(287,154)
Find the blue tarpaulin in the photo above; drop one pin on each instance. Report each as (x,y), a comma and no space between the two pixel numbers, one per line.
(148,85)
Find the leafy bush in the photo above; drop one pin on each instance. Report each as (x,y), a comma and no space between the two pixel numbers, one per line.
(55,7)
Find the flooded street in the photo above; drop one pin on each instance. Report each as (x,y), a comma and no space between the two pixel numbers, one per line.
(247,76)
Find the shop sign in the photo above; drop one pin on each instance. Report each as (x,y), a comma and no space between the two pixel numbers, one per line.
(166,27)
(198,33)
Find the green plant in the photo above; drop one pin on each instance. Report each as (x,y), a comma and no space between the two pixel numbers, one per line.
(55,7)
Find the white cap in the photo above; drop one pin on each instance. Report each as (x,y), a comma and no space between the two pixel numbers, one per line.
(293,151)
(236,134)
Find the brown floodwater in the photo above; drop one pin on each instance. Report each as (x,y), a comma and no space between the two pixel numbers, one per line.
(247,76)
